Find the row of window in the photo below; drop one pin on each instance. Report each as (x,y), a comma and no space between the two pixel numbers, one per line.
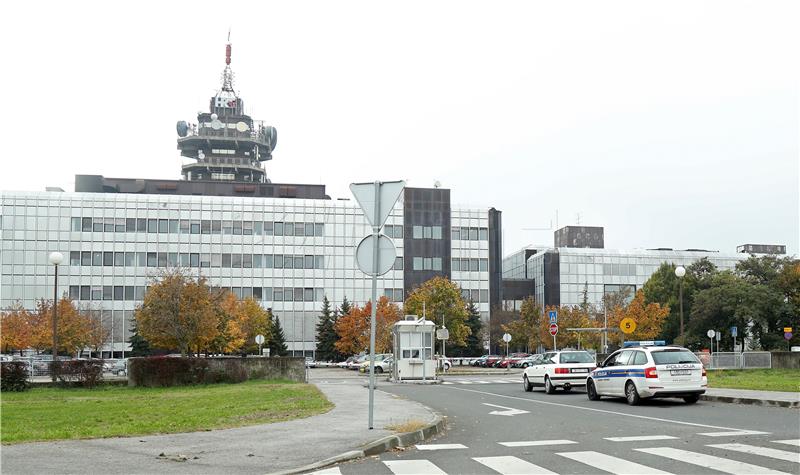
(475,295)
(204,226)
(427,263)
(427,232)
(195,259)
(469,234)
(395,295)
(470,265)
(393,231)
(136,293)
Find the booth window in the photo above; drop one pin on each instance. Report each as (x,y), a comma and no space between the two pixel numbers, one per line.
(416,345)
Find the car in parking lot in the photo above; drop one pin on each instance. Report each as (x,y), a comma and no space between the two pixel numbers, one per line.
(646,371)
(118,367)
(383,364)
(310,363)
(559,369)
(529,360)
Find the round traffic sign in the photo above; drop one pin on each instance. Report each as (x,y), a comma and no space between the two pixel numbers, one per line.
(627,325)
(553,329)
(365,254)
(787,335)
(711,333)
(443,334)
(259,339)
(506,337)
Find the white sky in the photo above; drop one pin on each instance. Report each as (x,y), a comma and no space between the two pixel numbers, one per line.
(672,124)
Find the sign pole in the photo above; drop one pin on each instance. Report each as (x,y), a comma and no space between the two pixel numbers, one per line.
(375,231)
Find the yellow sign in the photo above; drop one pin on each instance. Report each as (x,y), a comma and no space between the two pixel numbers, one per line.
(627,325)
(787,329)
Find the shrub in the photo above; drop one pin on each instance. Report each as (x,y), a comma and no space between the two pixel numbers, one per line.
(167,371)
(14,376)
(84,373)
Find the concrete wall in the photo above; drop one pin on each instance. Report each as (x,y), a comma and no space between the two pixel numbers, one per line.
(786,360)
(236,370)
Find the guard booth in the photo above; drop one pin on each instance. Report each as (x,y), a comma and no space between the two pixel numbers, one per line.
(413,349)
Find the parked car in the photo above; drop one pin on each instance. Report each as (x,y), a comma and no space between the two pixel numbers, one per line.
(310,363)
(479,361)
(383,363)
(344,364)
(356,363)
(527,361)
(559,369)
(491,360)
(443,363)
(510,360)
(119,367)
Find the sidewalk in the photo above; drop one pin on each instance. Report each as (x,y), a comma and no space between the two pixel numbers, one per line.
(758,398)
(255,449)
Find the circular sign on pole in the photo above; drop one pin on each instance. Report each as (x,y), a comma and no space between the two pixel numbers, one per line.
(386,254)
(787,335)
(627,325)
(711,333)
(442,334)
(259,339)
(553,329)
(506,337)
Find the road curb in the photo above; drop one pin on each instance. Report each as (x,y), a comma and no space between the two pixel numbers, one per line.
(750,401)
(381,445)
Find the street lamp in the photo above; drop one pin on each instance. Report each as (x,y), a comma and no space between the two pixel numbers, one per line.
(55,258)
(680,271)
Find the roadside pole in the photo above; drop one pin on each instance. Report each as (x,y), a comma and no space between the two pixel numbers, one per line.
(376,234)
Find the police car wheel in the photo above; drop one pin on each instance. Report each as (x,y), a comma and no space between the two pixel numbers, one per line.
(548,386)
(527,384)
(591,391)
(631,395)
(691,399)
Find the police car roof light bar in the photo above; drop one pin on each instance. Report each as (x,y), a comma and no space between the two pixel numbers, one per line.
(629,344)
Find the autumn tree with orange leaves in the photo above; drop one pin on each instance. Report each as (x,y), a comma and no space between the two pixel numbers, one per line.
(649,318)
(353,328)
(15,329)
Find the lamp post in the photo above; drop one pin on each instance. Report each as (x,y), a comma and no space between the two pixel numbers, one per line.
(680,271)
(55,258)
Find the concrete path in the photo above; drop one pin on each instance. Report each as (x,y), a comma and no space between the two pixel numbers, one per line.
(255,449)
(760,398)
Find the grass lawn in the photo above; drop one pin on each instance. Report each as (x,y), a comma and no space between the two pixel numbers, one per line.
(758,379)
(109,411)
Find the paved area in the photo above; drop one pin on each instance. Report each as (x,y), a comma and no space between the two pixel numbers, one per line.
(255,449)
(776,396)
(496,427)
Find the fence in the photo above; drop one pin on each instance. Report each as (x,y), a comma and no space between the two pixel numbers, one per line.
(735,360)
(39,368)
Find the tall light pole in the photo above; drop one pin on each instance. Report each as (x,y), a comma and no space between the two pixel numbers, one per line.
(55,258)
(680,271)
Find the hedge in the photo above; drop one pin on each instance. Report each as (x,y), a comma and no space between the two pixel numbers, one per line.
(14,376)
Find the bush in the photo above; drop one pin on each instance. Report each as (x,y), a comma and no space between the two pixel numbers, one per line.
(84,373)
(165,371)
(14,376)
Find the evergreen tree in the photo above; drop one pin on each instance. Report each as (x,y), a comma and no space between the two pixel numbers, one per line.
(345,308)
(277,344)
(326,333)
(139,346)
(474,345)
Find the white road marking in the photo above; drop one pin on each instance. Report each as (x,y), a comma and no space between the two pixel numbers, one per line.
(447,382)
(328,471)
(637,438)
(733,433)
(440,446)
(413,467)
(533,443)
(765,451)
(481,382)
(710,461)
(795,442)
(509,411)
(603,411)
(508,465)
(610,464)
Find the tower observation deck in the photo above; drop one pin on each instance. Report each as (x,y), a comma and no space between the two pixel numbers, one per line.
(226,144)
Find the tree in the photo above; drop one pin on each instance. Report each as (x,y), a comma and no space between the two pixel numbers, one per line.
(474,346)
(229,337)
(139,345)
(178,311)
(569,317)
(353,328)
(15,329)
(74,327)
(277,341)
(441,298)
(98,333)
(649,317)
(252,320)
(501,316)
(326,333)
(525,330)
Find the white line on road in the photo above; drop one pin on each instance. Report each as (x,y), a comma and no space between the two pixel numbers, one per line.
(328,471)
(413,467)
(765,451)
(509,411)
(637,438)
(533,443)
(611,464)
(507,465)
(603,411)
(440,446)
(788,442)
(733,433)
(710,461)
(447,382)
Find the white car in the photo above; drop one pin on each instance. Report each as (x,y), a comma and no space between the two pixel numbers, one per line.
(383,364)
(559,369)
(639,372)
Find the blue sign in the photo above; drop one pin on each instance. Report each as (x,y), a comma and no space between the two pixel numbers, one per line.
(553,316)
(734,331)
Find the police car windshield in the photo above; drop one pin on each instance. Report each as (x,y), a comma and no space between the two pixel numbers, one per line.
(674,357)
(576,357)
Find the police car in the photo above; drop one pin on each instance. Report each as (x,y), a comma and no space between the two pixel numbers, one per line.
(558,369)
(648,370)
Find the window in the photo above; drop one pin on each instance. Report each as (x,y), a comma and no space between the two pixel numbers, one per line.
(152,225)
(216,260)
(483,265)
(119,226)
(278,261)
(97,293)
(216,226)
(119,292)
(675,356)
(74,292)
(236,261)
(75,224)
(163,226)
(86,224)
(130,225)
(417,232)
(277,294)
(258,261)
(247,261)
(247,228)
(639,358)
(194,259)
(437,263)
(128,292)
(288,262)
(152,259)
(205,226)
(473,234)
(309,229)
(268,261)
(130,259)
(427,232)
(308,262)
(455,266)
(74,258)
(484,295)
(85,292)
(108,258)
(141,259)
(258,228)
(226,260)
(257,293)
(162,259)
(268,228)
(267,294)
(298,262)
(97,258)
(278,229)
(227,227)
(119,259)
(473,265)
(418,263)
(288,230)
(184,258)
(319,229)
(436,232)
(205,260)
(173,226)
(141,225)
(427,263)
(194,227)
(319,262)
(108,226)
(172,259)
(483,234)
(237,228)
(184,226)
(288,295)
(108,292)
(398,263)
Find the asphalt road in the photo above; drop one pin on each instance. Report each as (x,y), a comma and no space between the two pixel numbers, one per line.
(567,433)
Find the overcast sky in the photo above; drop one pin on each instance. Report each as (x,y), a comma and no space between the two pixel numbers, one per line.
(671,124)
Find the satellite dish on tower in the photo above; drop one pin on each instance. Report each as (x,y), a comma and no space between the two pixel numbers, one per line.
(182,128)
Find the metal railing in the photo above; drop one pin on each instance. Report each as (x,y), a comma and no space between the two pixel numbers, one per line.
(735,360)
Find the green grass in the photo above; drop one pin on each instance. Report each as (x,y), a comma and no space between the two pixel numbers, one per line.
(109,411)
(757,379)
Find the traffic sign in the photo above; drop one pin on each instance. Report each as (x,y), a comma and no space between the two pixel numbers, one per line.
(506,337)
(259,339)
(711,333)
(553,329)
(787,329)
(553,314)
(442,334)
(385,193)
(365,254)
(734,331)
(627,325)
(719,336)
(788,335)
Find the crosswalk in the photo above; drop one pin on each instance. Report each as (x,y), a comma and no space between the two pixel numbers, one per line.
(483,381)
(732,458)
